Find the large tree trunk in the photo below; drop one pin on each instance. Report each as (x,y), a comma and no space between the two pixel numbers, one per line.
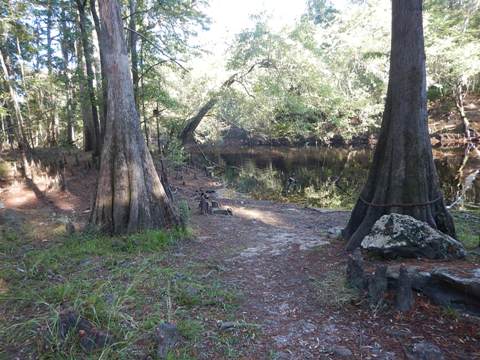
(130,196)
(403,178)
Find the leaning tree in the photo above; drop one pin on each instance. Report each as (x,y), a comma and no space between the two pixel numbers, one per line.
(130,195)
(402,178)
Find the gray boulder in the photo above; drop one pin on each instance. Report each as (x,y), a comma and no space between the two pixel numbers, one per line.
(397,235)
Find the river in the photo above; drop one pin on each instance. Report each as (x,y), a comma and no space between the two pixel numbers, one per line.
(329,177)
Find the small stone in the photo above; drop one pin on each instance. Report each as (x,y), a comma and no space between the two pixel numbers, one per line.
(424,351)
(227,325)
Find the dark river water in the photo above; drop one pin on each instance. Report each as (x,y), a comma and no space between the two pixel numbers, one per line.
(332,177)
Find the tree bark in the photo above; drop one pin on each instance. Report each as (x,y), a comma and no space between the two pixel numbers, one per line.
(402,178)
(130,195)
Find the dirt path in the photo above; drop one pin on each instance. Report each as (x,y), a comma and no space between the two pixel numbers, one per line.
(288,267)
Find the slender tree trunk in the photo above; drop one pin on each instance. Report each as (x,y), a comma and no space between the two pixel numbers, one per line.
(460,103)
(87,52)
(19,124)
(159,143)
(52,111)
(403,178)
(68,92)
(89,139)
(103,104)
(133,38)
(28,120)
(144,114)
(130,195)
(187,134)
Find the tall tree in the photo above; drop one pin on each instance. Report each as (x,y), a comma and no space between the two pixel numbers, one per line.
(87,53)
(130,195)
(103,103)
(403,178)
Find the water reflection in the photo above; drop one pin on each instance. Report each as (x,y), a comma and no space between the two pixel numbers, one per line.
(334,177)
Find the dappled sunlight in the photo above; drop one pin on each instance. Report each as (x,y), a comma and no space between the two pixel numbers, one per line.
(264,216)
(19,196)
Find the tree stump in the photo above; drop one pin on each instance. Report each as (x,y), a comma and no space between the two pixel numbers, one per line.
(404,300)
(355,273)
(204,205)
(377,285)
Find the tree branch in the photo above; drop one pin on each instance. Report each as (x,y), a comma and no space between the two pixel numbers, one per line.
(158,48)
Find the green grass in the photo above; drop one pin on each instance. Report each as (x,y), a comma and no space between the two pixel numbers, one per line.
(467,225)
(126,285)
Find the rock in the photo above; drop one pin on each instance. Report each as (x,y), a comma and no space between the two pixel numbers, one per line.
(167,337)
(404,299)
(424,351)
(397,235)
(355,273)
(444,286)
(90,337)
(340,351)
(377,285)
